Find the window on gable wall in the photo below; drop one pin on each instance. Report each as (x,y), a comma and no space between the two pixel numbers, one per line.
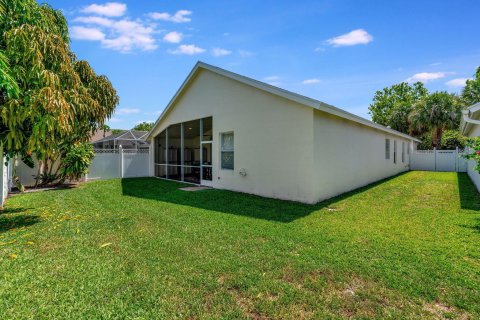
(227,151)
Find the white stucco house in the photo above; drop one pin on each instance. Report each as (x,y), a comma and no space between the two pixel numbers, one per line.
(232,132)
(470,127)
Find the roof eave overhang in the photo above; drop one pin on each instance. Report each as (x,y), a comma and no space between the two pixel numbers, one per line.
(278,92)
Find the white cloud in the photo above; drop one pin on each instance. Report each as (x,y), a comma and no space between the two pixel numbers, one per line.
(109,9)
(123,35)
(426,76)
(105,22)
(355,37)
(127,111)
(320,49)
(188,49)
(219,52)
(89,34)
(311,81)
(457,83)
(173,37)
(115,120)
(179,16)
(245,53)
(273,80)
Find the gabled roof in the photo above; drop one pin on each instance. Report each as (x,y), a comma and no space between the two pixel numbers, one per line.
(316,104)
(125,135)
(471,116)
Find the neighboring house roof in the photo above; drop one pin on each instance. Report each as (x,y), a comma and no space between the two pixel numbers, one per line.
(126,135)
(316,104)
(99,135)
(471,117)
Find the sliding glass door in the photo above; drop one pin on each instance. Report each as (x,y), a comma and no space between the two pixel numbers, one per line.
(183,152)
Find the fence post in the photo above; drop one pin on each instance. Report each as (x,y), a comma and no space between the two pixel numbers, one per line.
(120,155)
(456,160)
(435,159)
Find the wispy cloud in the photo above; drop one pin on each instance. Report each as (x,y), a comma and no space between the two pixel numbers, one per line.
(124,35)
(219,52)
(457,83)
(109,9)
(311,81)
(273,80)
(173,37)
(355,37)
(178,17)
(426,76)
(188,49)
(127,111)
(84,33)
(115,120)
(245,53)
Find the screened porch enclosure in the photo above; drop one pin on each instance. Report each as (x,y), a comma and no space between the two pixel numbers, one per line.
(183,152)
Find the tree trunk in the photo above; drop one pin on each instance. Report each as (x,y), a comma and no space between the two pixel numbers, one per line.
(38,173)
(437,137)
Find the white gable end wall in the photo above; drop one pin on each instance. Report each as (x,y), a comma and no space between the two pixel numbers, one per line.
(273,136)
(349,155)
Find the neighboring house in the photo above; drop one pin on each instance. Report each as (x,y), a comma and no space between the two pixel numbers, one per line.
(470,127)
(100,134)
(128,139)
(240,134)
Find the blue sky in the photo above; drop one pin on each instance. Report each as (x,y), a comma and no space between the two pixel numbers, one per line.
(339,52)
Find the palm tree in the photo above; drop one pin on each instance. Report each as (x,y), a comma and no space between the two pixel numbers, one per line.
(435,113)
(105,128)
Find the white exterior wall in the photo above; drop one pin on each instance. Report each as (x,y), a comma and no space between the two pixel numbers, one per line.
(473,174)
(273,136)
(350,155)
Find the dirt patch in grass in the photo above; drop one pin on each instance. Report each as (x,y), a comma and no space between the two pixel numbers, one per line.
(442,311)
(245,303)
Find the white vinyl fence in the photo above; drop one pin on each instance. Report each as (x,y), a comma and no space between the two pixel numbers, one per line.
(5,177)
(438,160)
(111,164)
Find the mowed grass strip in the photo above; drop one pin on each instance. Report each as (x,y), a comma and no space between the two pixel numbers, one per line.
(406,247)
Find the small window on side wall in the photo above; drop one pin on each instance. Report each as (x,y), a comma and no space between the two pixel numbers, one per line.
(394,151)
(387,149)
(227,150)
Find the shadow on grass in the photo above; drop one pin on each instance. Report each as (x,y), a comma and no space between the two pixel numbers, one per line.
(15,222)
(13,210)
(469,196)
(228,201)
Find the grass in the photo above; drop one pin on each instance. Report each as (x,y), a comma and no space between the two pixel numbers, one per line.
(407,247)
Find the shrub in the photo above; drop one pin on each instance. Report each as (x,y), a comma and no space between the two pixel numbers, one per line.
(76,161)
(473,145)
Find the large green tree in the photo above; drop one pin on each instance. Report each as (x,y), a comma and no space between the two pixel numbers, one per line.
(471,91)
(144,126)
(49,100)
(435,113)
(392,105)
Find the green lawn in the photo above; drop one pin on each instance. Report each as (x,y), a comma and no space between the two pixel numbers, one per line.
(407,247)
